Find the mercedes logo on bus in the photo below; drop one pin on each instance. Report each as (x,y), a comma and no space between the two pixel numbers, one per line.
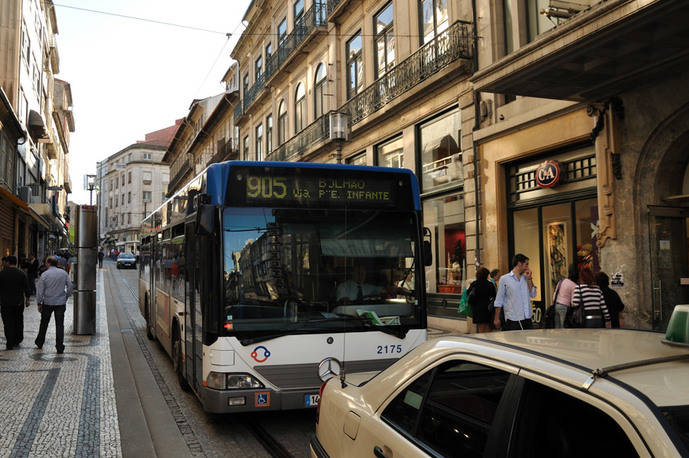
(329,368)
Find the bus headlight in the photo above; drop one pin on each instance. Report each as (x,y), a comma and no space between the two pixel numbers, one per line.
(242,382)
(222,381)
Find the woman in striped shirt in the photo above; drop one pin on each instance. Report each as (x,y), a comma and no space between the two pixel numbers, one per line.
(588,295)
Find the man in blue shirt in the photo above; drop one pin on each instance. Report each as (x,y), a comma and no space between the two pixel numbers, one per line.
(515,291)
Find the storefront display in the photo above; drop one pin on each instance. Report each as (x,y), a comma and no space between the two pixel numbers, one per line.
(554,217)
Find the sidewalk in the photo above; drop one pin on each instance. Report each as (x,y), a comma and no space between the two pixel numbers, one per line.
(59,405)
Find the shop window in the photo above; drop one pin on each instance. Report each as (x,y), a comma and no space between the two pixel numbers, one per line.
(444,216)
(441,156)
(390,153)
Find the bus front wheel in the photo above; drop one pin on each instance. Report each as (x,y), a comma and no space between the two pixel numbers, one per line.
(177,363)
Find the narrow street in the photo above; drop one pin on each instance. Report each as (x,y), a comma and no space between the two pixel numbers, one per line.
(204,434)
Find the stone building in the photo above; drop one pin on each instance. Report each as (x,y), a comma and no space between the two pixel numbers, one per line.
(29,61)
(545,127)
(599,89)
(132,183)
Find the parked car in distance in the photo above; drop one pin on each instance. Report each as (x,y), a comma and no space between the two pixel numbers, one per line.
(537,393)
(126,260)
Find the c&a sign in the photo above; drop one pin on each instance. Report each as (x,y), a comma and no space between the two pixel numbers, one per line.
(548,174)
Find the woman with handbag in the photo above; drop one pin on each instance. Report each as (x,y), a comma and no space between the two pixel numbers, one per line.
(481,294)
(588,297)
(562,298)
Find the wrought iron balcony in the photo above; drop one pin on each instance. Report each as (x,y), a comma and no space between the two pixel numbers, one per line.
(331,6)
(313,18)
(451,45)
(294,148)
(178,169)
(238,110)
(226,152)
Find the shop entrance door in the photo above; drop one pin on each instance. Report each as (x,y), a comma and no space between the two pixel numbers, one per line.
(669,261)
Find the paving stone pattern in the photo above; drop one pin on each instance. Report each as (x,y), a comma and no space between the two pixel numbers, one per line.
(59,405)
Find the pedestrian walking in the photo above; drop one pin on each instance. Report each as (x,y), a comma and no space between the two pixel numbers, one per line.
(480,296)
(54,287)
(14,296)
(494,278)
(612,300)
(515,291)
(588,295)
(562,297)
(101,255)
(33,273)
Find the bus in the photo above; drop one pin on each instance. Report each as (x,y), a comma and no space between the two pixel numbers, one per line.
(255,273)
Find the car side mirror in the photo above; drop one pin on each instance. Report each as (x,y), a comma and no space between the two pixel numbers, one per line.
(427,249)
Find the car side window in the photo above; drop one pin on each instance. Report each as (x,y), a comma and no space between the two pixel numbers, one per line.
(455,413)
(551,423)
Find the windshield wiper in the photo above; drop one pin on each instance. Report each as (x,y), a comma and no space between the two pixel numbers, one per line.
(263,338)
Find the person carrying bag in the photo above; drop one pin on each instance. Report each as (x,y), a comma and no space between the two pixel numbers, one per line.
(589,308)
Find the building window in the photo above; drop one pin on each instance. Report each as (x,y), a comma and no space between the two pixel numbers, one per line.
(441,156)
(146,196)
(122,218)
(258,67)
(129,218)
(444,216)
(434,18)
(269,51)
(357,159)
(298,12)
(259,142)
(269,134)
(122,177)
(299,108)
(129,177)
(390,153)
(246,147)
(384,41)
(129,197)
(318,92)
(507,22)
(537,22)
(110,202)
(282,122)
(122,199)
(282,31)
(246,84)
(355,66)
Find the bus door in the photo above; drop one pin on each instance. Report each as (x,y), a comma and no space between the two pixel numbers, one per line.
(191,247)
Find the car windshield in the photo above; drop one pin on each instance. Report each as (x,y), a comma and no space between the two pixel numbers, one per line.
(126,256)
(678,417)
(305,270)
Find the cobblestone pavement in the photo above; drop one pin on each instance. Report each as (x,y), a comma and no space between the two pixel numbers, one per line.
(59,405)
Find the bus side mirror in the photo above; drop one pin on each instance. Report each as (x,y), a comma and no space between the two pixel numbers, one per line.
(204,219)
(427,249)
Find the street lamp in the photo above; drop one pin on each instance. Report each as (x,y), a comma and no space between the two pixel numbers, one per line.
(90,185)
(339,132)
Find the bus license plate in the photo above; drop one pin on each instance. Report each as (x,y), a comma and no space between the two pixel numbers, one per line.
(312,400)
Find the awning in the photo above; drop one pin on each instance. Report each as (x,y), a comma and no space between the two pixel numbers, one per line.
(36,125)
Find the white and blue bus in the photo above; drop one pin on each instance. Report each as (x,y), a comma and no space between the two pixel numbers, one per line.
(256,272)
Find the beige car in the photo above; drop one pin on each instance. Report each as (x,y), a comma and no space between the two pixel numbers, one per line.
(539,393)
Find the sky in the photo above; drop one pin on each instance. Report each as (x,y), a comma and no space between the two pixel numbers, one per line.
(130,77)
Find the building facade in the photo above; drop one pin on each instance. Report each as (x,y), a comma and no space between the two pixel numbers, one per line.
(544,127)
(43,106)
(132,183)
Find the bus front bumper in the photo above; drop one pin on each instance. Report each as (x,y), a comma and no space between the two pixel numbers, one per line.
(228,401)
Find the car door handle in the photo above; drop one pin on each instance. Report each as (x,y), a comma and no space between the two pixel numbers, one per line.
(379,452)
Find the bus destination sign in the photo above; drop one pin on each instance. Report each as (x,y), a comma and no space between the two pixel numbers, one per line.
(314,188)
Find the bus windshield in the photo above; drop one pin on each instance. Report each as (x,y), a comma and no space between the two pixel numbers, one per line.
(315,270)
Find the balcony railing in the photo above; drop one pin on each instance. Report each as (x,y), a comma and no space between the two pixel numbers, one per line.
(178,169)
(313,17)
(238,110)
(225,153)
(296,146)
(330,6)
(452,44)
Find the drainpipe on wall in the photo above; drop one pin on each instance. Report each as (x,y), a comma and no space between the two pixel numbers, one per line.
(477,126)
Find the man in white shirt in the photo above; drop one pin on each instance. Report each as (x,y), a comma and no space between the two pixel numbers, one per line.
(515,291)
(53,289)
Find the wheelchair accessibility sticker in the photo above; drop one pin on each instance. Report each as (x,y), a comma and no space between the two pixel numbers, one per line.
(262,399)
(260,354)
